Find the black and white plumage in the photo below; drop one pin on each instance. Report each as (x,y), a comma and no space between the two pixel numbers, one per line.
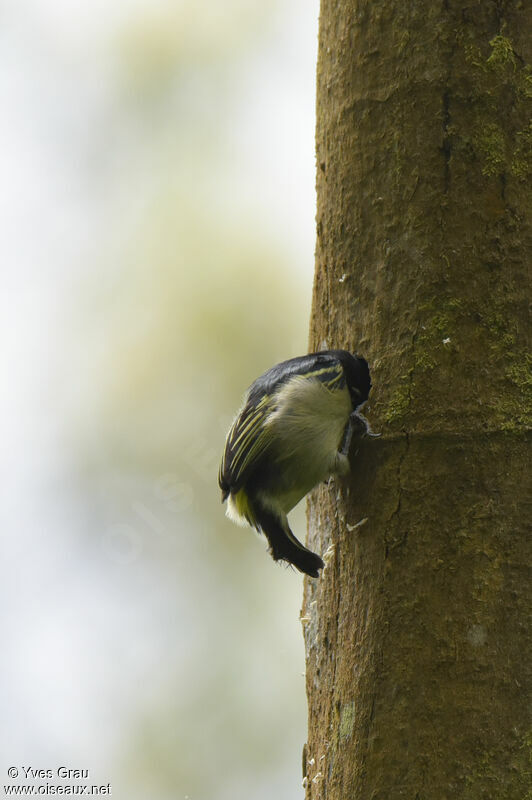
(292,432)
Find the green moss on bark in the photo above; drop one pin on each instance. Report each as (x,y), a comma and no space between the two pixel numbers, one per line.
(500,84)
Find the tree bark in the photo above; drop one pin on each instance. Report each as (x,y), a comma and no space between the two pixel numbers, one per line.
(418,636)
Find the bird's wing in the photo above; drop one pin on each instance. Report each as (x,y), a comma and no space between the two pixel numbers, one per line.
(247,440)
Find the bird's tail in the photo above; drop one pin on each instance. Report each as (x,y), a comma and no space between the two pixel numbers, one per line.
(284,545)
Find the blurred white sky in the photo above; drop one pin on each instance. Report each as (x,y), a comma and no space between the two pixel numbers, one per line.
(83,151)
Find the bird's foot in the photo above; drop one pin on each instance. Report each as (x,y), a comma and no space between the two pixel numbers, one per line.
(359,426)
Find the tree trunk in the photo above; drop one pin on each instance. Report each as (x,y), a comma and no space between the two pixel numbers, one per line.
(418,636)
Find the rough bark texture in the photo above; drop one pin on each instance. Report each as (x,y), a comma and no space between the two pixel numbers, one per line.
(418,636)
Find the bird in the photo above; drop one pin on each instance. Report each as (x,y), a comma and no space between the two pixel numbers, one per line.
(293,431)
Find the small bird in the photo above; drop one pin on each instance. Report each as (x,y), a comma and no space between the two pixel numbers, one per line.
(293,431)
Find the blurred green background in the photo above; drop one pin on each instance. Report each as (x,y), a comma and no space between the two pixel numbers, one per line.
(157,251)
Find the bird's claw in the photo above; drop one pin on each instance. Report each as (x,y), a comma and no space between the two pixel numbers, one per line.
(359,426)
